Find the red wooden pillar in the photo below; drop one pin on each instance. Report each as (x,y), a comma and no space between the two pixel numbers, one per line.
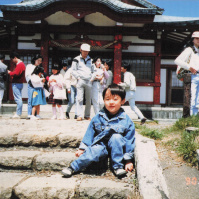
(156,95)
(117,59)
(45,46)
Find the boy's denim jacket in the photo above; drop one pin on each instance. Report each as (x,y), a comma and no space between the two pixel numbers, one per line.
(101,125)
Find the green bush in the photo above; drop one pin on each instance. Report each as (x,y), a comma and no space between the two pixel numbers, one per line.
(152,133)
(187,147)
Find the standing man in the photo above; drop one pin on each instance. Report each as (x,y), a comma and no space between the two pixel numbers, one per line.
(130,87)
(82,69)
(18,78)
(3,75)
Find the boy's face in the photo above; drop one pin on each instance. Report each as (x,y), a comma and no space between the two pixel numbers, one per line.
(112,102)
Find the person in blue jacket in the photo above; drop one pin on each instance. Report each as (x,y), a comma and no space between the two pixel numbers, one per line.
(110,131)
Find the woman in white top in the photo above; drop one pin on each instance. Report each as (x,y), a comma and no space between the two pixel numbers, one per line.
(36,61)
(98,80)
(189,60)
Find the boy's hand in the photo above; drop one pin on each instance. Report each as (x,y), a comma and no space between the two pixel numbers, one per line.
(79,152)
(128,166)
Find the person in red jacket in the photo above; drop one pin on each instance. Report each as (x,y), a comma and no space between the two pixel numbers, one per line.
(18,78)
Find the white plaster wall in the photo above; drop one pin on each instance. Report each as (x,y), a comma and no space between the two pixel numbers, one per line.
(140,49)
(167,61)
(98,19)
(29,46)
(36,36)
(61,18)
(135,39)
(163,86)
(144,94)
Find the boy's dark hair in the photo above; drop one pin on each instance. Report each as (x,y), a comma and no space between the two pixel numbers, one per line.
(115,90)
(13,55)
(37,70)
(37,56)
(2,56)
(126,65)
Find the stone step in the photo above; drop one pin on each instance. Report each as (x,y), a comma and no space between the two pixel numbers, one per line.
(35,160)
(42,133)
(29,186)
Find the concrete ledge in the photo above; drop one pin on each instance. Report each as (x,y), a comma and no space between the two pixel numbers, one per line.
(151,181)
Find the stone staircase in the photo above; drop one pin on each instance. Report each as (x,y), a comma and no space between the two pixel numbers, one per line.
(32,154)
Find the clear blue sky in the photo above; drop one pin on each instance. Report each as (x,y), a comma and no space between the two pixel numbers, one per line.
(182,8)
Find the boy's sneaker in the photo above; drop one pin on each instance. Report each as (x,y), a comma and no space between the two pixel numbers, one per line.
(67,172)
(120,172)
(38,116)
(54,117)
(67,115)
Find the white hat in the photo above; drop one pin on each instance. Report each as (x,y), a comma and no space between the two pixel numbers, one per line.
(85,47)
(195,34)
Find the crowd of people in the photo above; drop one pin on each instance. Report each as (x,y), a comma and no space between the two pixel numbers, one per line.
(72,79)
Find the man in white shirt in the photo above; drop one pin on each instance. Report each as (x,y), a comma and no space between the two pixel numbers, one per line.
(129,85)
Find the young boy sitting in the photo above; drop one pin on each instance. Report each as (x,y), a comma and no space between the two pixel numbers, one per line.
(110,131)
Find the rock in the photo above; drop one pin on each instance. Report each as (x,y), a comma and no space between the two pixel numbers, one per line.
(46,187)
(18,159)
(53,160)
(102,188)
(7,182)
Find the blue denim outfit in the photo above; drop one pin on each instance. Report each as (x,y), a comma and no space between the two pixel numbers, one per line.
(17,89)
(194,94)
(115,135)
(72,99)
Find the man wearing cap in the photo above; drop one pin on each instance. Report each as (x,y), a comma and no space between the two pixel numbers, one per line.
(82,69)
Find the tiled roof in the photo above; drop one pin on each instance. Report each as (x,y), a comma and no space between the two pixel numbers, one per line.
(167,19)
(116,5)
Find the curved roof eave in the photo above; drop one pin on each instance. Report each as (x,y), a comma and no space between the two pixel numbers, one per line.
(115,5)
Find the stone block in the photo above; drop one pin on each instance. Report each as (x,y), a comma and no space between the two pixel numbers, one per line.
(53,160)
(46,187)
(17,159)
(36,138)
(7,182)
(103,188)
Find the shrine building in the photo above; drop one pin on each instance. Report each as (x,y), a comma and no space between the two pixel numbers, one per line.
(131,30)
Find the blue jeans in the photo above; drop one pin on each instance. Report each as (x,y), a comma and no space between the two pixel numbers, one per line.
(72,99)
(17,88)
(30,90)
(194,105)
(95,153)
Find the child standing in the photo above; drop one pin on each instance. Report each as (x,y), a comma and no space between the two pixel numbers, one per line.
(110,130)
(56,83)
(38,95)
